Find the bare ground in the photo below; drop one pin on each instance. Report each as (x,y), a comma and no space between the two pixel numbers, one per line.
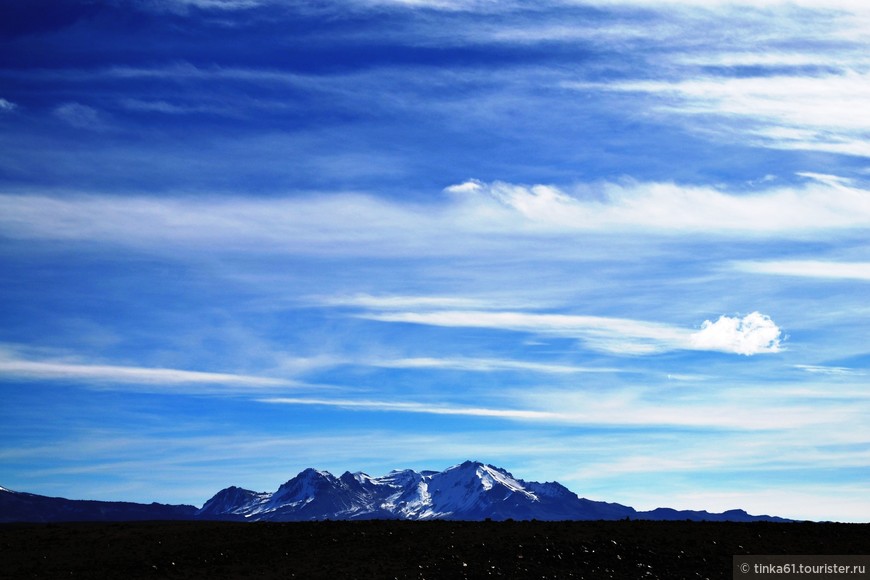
(396,549)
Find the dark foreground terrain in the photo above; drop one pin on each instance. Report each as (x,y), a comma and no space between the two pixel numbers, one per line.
(396,549)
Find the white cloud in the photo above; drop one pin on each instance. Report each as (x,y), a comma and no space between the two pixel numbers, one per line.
(792,112)
(848,6)
(7,106)
(616,335)
(15,367)
(311,224)
(400,302)
(668,207)
(485,218)
(485,365)
(834,181)
(755,333)
(223,4)
(182,6)
(746,407)
(445,5)
(856,6)
(470,186)
(811,140)
(186,71)
(80,116)
(168,108)
(411,407)
(297,366)
(771,58)
(829,370)
(621,407)
(808,269)
(752,334)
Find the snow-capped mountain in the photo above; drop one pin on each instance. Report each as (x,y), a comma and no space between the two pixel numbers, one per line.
(468,491)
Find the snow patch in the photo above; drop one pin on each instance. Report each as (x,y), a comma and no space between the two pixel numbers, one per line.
(471,490)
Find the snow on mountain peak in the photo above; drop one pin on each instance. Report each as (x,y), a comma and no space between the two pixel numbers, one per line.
(364,478)
(467,491)
(234,500)
(489,477)
(401,477)
(304,486)
(311,473)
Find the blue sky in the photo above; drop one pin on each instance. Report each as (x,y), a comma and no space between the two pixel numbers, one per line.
(619,244)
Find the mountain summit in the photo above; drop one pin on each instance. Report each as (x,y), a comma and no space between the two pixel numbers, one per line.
(468,491)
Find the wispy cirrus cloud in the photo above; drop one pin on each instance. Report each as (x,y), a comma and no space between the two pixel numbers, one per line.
(183,6)
(486,365)
(297,366)
(626,407)
(848,57)
(822,113)
(412,407)
(614,335)
(473,216)
(168,108)
(752,334)
(394,302)
(81,116)
(848,5)
(488,5)
(668,206)
(205,205)
(808,269)
(15,367)
(829,370)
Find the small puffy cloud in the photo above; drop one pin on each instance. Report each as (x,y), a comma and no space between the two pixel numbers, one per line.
(469,186)
(755,333)
(7,106)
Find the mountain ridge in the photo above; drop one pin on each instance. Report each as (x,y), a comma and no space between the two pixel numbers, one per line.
(467,491)
(18,506)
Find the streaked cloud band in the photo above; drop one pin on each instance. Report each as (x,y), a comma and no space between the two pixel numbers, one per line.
(16,368)
(808,269)
(752,334)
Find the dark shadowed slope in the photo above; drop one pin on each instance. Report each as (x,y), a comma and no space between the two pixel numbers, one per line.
(28,507)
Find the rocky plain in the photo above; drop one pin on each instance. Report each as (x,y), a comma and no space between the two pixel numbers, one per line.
(378,549)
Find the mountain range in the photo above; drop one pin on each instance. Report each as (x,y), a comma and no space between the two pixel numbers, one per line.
(468,491)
